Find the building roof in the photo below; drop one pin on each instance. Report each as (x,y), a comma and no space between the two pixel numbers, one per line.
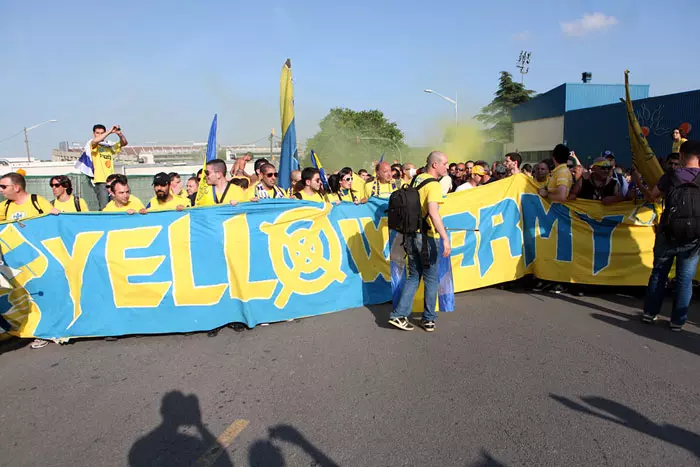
(574,96)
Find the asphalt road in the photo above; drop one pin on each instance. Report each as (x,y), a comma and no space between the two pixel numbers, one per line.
(510,378)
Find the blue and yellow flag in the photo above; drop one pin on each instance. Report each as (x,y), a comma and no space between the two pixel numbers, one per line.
(203,189)
(316,162)
(288,154)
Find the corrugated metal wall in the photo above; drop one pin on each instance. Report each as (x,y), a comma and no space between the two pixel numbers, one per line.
(591,131)
(550,104)
(583,96)
(574,96)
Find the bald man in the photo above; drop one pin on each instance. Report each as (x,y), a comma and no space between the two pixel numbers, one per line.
(295,180)
(384,185)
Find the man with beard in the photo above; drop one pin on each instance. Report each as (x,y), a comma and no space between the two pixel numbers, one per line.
(267,187)
(164,200)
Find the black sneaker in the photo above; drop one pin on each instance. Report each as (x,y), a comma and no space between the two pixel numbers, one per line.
(557,289)
(649,318)
(541,286)
(676,327)
(401,323)
(428,325)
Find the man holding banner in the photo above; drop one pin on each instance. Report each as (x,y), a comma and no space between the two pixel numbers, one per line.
(221,190)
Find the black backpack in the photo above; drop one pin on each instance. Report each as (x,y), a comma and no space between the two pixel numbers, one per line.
(76,202)
(405,214)
(681,216)
(35,203)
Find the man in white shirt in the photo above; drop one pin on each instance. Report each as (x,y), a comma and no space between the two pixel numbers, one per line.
(477,175)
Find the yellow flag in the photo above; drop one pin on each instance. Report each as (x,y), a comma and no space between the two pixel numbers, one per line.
(643,156)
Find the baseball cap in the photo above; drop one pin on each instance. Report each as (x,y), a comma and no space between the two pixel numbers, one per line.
(478,170)
(161,179)
(602,162)
(608,154)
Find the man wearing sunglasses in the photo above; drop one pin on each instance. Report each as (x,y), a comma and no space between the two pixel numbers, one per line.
(267,187)
(18,203)
(165,200)
(65,201)
(221,191)
(600,185)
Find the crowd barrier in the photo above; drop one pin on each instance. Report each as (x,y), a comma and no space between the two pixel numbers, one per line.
(101,274)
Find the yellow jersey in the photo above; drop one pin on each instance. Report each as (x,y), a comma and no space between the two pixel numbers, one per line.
(156,205)
(69,205)
(560,176)
(33,206)
(103,160)
(134,203)
(676,146)
(380,190)
(541,184)
(231,193)
(316,197)
(347,195)
(430,193)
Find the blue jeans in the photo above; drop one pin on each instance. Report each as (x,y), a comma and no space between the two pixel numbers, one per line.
(414,251)
(102,195)
(686,255)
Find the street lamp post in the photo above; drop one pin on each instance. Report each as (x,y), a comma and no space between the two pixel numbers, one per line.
(452,101)
(26,136)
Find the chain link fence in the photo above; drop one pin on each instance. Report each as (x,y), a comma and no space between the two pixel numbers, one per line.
(141,186)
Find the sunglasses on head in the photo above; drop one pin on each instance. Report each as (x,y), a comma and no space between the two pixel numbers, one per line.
(272,174)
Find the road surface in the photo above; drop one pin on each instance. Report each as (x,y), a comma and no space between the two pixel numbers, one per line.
(510,378)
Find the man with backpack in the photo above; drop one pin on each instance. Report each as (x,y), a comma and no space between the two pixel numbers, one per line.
(414,212)
(677,236)
(18,203)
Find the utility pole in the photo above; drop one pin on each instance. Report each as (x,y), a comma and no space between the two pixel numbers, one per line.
(26,144)
(523,64)
(272,136)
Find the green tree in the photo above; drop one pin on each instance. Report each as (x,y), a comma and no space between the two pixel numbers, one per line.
(355,139)
(497,115)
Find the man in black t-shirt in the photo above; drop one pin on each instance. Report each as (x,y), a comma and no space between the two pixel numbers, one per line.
(668,246)
(600,185)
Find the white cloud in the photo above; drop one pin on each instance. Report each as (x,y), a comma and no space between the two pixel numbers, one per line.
(523,36)
(588,23)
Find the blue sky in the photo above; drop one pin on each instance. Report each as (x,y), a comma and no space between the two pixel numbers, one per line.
(161,69)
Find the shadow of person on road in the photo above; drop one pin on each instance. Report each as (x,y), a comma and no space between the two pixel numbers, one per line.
(486,460)
(268,454)
(688,341)
(167,445)
(625,416)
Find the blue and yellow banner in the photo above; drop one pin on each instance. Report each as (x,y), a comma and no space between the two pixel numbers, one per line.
(102,274)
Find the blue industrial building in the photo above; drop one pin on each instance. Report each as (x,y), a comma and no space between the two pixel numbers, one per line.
(590,118)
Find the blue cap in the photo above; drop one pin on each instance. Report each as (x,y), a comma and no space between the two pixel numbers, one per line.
(608,154)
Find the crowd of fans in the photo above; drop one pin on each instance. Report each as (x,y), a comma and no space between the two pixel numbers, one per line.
(560,178)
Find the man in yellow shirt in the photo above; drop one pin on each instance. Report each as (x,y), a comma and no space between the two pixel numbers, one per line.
(384,185)
(430,194)
(541,174)
(65,201)
(123,201)
(164,200)
(311,178)
(103,153)
(267,187)
(18,203)
(176,185)
(220,190)
(560,180)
